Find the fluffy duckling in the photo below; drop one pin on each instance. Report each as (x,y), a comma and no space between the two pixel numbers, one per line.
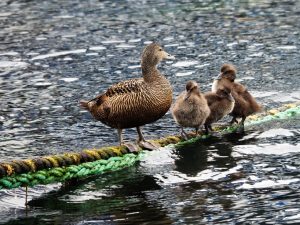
(190,108)
(245,103)
(221,103)
(135,102)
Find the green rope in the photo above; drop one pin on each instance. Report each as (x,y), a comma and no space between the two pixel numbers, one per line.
(61,168)
(61,174)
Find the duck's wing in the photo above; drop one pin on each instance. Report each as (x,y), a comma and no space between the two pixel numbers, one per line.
(125,87)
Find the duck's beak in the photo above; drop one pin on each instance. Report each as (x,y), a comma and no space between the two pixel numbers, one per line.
(168,56)
(219,76)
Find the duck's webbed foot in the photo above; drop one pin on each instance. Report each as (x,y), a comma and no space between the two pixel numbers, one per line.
(132,147)
(145,144)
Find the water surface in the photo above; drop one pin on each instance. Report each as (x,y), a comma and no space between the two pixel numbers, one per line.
(54,53)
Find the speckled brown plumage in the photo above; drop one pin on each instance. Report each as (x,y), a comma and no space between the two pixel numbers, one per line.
(135,102)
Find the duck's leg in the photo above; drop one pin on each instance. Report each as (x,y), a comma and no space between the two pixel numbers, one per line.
(234,120)
(197,130)
(130,146)
(241,127)
(145,144)
(183,134)
(120,136)
(207,128)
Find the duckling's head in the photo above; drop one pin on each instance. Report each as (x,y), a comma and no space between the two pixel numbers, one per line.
(225,92)
(228,71)
(190,87)
(153,54)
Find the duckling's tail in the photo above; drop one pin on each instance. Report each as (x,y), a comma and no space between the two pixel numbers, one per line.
(84,104)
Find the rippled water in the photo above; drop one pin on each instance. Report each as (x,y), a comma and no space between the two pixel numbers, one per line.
(53,53)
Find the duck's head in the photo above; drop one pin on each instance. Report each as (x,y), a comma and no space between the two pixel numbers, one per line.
(153,54)
(228,71)
(190,87)
(225,92)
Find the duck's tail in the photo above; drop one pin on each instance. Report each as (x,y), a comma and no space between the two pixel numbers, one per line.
(84,104)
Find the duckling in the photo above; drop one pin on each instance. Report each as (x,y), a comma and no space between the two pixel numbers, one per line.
(221,103)
(135,102)
(245,103)
(190,108)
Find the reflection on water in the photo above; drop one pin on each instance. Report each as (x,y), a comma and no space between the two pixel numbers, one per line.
(54,53)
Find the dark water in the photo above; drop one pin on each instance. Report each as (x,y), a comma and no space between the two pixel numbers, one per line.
(45,68)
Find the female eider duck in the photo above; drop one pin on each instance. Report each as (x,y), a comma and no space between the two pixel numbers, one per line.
(135,102)
(245,103)
(220,103)
(190,108)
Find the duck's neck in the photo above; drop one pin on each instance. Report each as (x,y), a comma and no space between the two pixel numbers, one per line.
(150,72)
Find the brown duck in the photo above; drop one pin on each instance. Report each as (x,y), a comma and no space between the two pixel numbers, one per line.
(221,103)
(190,108)
(135,102)
(245,103)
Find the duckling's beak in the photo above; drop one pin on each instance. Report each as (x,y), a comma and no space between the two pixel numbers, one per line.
(219,76)
(188,94)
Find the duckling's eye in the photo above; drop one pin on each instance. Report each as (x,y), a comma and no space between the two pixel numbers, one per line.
(160,49)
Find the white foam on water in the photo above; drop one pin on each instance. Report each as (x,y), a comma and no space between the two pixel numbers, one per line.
(294,217)
(203,65)
(185,63)
(134,40)
(176,177)
(97,48)
(42,84)
(267,149)
(134,67)
(92,54)
(55,54)
(262,94)
(148,42)
(287,47)
(69,79)
(204,55)
(69,36)
(258,54)
(267,184)
(64,17)
(68,58)
(276,132)
(171,45)
(125,46)
(13,64)
(9,53)
(41,38)
(184,74)
(168,38)
(112,41)
(32,53)
(231,44)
